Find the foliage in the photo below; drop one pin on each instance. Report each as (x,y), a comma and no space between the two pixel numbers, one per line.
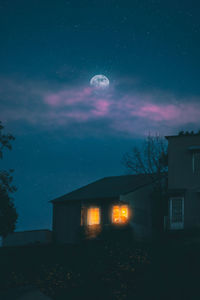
(168,269)
(123,233)
(93,269)
(5,140)
(8,214)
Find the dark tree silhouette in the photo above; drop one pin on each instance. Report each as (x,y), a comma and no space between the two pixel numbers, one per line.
(8,214)
(150,159)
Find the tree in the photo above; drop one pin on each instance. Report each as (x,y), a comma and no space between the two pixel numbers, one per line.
(8,214)
(152,159)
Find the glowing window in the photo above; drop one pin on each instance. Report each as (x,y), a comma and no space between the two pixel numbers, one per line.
(120,213)
(93,216)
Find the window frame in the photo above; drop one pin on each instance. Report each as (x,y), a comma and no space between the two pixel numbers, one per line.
(177,225)
(194,170)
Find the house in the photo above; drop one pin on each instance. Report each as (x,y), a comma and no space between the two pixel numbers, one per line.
(111,201)
(28,237)
(183,182)
(128,200)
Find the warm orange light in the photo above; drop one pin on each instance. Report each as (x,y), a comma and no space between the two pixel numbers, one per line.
(115,214)
(93,216)
(120,214)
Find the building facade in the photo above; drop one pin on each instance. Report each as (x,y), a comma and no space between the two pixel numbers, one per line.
(108,203)
(183,182)
(114,202)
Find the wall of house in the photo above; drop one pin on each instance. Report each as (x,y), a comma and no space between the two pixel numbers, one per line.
(192,209)
(180,162)
(141,212)
(105,205)
(67,216)
(105,209)
(181,176)
(66,222)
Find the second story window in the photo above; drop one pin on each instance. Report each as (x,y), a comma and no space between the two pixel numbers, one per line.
(196,162)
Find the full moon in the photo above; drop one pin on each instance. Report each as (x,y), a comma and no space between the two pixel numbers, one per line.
(100,82)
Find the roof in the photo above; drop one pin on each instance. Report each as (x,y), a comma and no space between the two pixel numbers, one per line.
(107,187)
(182,136)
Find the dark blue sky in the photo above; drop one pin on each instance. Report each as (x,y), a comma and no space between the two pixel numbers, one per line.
(66,134)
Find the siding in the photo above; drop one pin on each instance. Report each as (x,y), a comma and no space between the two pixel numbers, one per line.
(192,209)
(141,214)
(181,176)
(180,162)
(67,216)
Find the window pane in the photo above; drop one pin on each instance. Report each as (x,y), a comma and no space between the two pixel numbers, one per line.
(93,216)
(176,210)
(116,214)
(120,214)
(124,213)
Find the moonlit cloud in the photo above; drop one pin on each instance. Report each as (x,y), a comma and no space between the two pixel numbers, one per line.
(63,107)
(67,96)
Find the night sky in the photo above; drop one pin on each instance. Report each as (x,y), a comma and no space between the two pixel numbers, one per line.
(68,134)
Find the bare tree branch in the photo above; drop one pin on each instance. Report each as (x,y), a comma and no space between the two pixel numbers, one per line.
(150,159)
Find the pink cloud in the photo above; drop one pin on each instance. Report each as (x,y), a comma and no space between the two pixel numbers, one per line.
(67,96)
(158,112)
(101,108)
(133,113)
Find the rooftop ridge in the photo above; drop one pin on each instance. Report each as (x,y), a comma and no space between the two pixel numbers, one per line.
(106,187)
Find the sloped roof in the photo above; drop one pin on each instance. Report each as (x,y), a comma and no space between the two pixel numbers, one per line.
(108,187)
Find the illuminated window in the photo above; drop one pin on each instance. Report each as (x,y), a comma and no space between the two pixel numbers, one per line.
(93,216)
(120,214)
